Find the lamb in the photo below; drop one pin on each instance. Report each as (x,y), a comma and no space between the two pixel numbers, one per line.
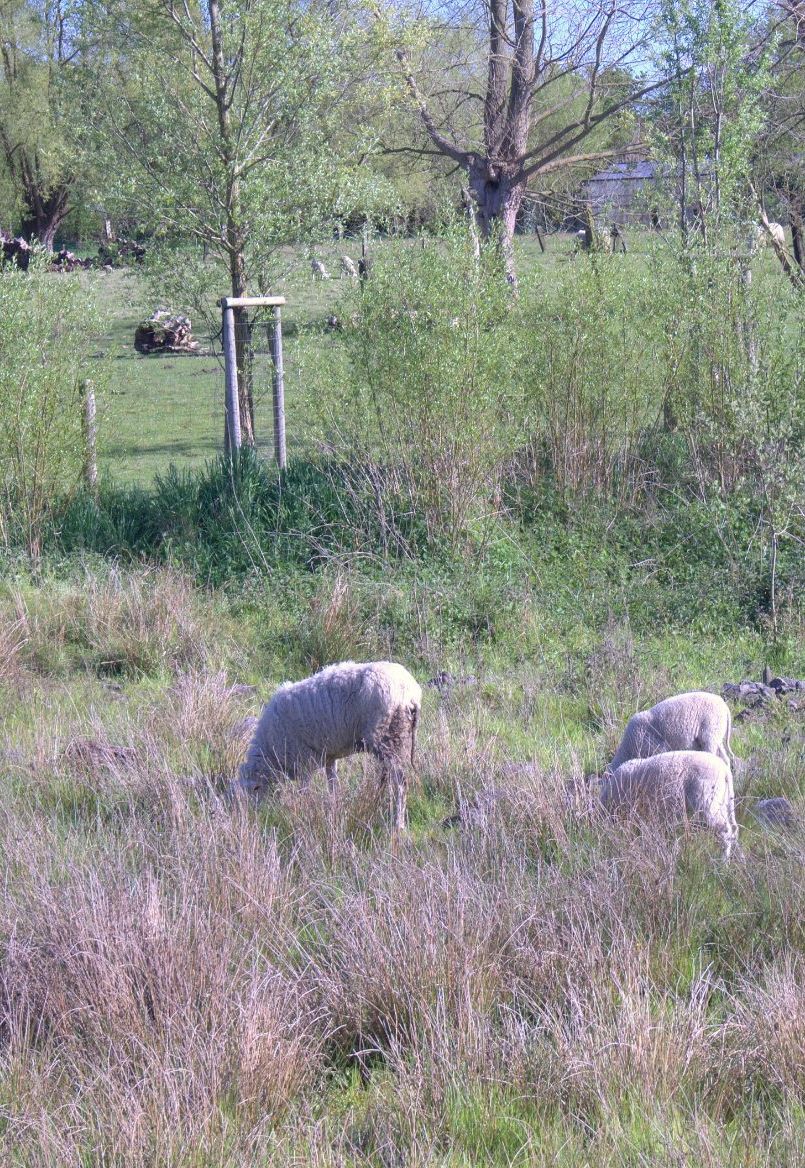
(348,268)
(318,269)
(687,721)
(676,783)
(341,710)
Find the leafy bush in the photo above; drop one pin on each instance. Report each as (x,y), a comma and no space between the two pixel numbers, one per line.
(46,326)
(429,414)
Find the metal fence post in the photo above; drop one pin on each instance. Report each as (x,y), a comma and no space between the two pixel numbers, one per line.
(279,391)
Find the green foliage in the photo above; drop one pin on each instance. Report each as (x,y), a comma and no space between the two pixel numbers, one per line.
(47,325)
(718,65)
(431,397)
(586,357)
(42,159)
(240,158)
(632,429)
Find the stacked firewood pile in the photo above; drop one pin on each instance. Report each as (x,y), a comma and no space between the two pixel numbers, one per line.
(18,251)
(165,332)
(15,250)
(67,261)
(117,253)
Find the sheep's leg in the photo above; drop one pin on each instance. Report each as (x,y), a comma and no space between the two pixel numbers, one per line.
(331,770)
(729,842)
(394,774)
(732,829)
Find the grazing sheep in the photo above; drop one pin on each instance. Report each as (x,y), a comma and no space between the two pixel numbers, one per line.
(676,783)
(759,236)
(688,721)
(318,269)
(348,268)
(339,711)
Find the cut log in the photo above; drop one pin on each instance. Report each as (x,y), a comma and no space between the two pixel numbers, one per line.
(165,332)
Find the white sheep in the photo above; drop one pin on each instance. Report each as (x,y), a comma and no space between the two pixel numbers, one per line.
(674,784)
(348,268)
(687,721)
(759,236)
(777,232)
(318,269)
(337,712)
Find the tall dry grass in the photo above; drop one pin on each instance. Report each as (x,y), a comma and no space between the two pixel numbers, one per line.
(117,623)
(188,983)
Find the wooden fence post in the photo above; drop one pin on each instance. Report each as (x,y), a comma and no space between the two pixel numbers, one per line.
(89,426)
(279,391)
(232,433)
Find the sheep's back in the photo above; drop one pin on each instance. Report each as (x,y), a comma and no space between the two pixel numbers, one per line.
(684,719)
(336,711)
(691,778)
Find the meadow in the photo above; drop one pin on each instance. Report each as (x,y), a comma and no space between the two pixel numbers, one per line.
(187,983)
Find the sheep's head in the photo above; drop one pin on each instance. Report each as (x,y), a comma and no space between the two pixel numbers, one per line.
(246,787)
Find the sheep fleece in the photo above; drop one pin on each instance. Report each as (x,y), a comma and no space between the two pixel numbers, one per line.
(343,709)
(674,783)
(688,721)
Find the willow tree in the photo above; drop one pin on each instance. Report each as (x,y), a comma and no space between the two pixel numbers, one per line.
(552,77)
(41,159)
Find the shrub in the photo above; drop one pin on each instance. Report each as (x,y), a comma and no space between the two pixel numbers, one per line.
(46,326)
(428,415)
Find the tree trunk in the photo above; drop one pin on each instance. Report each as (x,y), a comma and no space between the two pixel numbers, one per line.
(795,218)
(235,241)
(520,66)
(45,213)
(243,348)
(498,198)
(42,226)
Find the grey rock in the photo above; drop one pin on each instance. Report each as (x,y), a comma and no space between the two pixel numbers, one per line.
(776,812)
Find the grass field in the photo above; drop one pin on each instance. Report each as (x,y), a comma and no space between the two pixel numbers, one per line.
(185,983)
(169,409)
(159,410)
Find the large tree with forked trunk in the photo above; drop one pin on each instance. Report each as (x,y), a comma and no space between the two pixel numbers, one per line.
(548,81)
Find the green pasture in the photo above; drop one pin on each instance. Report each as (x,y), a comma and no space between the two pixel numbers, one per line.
(163,410)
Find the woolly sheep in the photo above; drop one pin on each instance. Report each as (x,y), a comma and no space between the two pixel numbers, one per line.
(318,269)
(348,268)
(759,236)
(777,232)
(341,710)
(687,721)
(675,783)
